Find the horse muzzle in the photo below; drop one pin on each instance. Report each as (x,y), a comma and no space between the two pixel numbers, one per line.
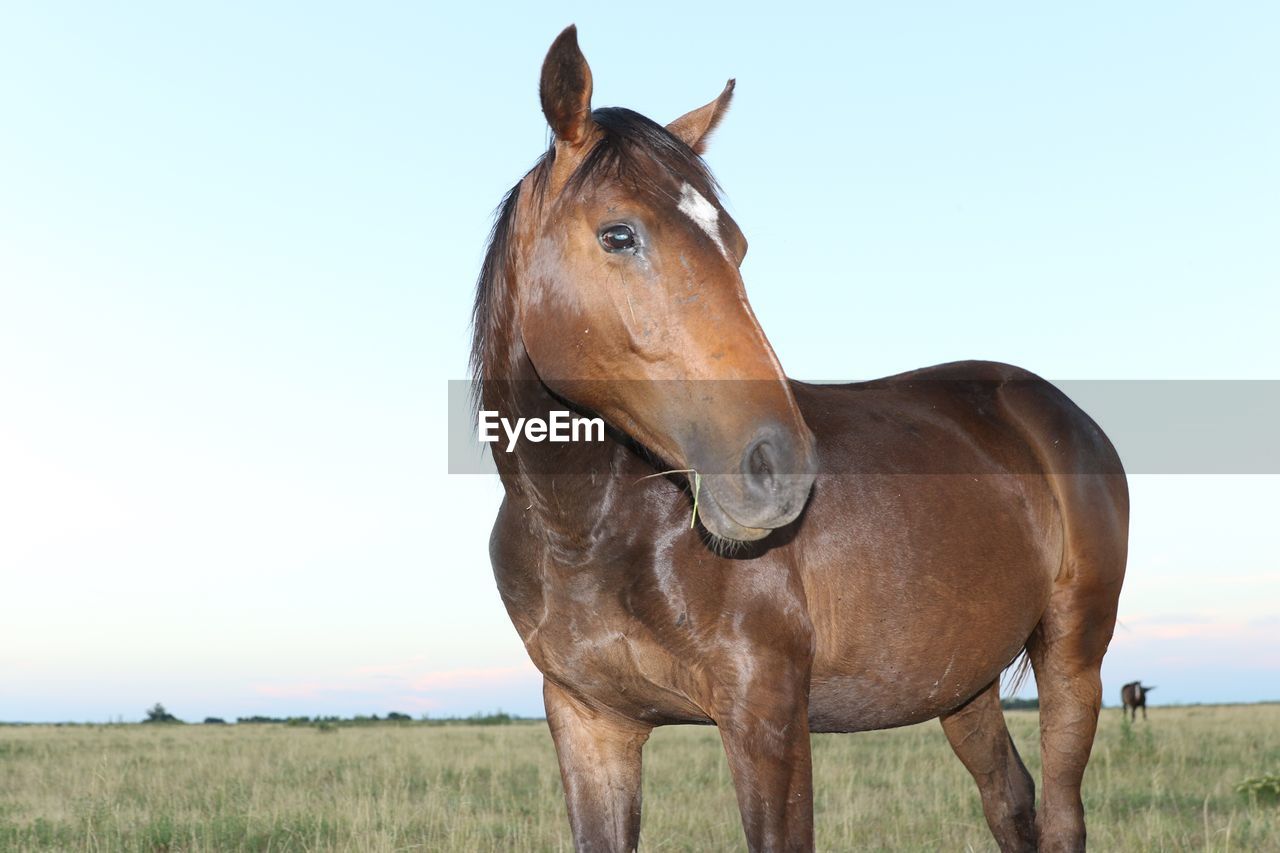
(763,489)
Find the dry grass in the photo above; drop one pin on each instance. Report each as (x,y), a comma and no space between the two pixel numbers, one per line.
(1166,785)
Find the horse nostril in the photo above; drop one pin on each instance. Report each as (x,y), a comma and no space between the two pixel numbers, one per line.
(760,460)
(761,465)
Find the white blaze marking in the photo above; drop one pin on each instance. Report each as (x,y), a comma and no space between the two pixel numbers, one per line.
(703,213)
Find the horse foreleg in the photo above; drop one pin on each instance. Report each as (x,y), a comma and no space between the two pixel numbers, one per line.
(600,766)
(980,739)
(766,738)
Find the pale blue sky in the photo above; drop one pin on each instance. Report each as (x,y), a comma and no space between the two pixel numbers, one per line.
(237,254)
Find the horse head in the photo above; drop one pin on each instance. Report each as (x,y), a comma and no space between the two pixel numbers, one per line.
(631,304)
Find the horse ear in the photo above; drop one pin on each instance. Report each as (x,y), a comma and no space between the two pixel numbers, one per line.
(566,89)
(694,128)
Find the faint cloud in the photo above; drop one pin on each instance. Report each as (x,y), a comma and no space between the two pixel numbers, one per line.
(456,678)
(1174,619)
(1201,639)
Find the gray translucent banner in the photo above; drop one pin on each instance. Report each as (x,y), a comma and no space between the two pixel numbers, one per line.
(1157,426)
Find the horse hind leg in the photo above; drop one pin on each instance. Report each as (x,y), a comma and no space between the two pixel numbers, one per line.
(981,741)
(1066,648)
(1066,653)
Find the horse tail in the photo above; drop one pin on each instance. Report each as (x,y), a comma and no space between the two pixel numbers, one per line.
(1015,674)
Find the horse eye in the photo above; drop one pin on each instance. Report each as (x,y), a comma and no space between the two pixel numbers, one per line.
(618,238)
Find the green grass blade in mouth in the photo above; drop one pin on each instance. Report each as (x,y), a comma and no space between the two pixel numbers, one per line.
(697,487)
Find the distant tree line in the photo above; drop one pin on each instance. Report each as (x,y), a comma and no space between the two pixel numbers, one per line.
(158,714)
(495,718)
(1020,704)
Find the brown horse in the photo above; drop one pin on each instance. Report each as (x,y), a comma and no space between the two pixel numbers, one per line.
(1134,696)
(865,556)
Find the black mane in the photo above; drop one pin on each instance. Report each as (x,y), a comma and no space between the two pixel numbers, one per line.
(633,150)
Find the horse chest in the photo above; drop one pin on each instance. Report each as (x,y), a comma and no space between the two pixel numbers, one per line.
(613,659)
(588,630)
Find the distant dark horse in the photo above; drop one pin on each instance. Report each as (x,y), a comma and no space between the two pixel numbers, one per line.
(1134,696)
(765,555)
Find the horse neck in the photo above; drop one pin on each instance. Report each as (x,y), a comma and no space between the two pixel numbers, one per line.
(567,488)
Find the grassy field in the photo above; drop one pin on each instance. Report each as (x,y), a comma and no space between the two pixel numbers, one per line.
(1164,785)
